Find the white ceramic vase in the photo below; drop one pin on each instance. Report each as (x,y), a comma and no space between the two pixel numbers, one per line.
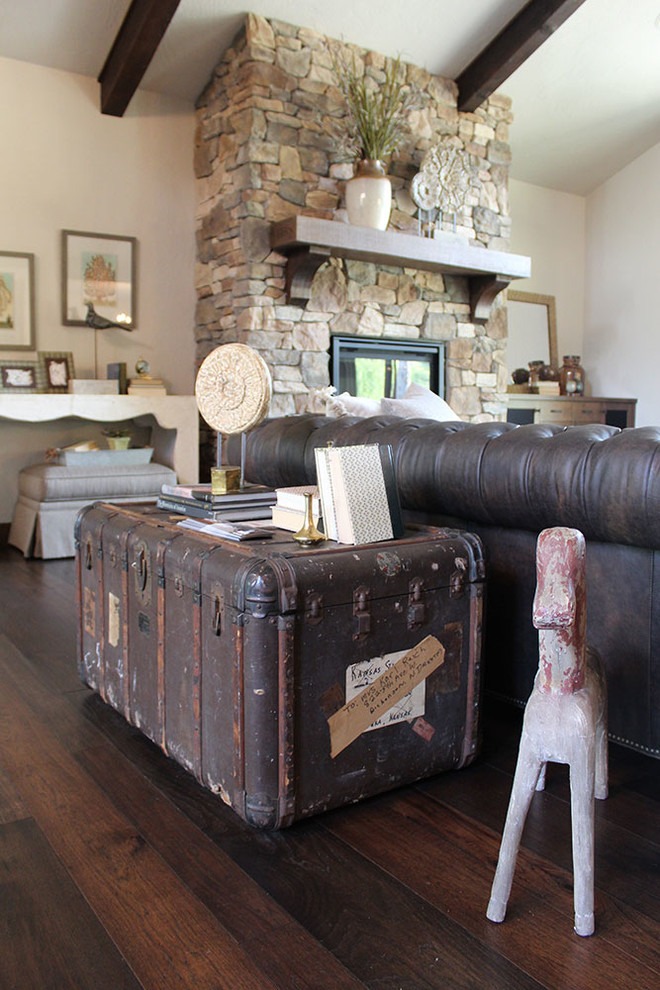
(369,196)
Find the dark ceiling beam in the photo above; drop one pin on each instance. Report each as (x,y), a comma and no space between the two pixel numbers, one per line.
(138,38)
(510,48)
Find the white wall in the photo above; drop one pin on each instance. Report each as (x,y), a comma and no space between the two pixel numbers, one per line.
(622,335)
(66,166)
(549,227)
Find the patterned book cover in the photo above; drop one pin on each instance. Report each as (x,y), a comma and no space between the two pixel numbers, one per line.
(360,498)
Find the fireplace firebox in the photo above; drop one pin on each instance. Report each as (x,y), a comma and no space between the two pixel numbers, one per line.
(382,367)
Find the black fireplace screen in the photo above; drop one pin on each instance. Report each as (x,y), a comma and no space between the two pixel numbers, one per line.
(380,367)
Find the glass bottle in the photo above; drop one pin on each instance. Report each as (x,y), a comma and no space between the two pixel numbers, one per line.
(571,376)
(534,371)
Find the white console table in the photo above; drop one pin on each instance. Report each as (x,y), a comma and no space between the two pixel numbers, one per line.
(174,422)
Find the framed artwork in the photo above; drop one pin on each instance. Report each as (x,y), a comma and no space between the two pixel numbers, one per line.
(20,376)
(56,367)
(16,301)
(98,269)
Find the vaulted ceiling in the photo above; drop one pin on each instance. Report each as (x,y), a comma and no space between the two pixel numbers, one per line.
(586,102)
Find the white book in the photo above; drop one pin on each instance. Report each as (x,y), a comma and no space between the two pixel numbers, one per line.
(291,519)
(141,390)
(294,497)
(325,492)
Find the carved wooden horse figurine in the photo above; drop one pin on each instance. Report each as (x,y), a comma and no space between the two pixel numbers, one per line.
(565,720)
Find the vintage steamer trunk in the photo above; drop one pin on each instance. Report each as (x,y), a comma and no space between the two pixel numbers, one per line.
(232,657)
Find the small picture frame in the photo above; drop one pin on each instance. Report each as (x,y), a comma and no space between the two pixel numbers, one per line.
(20,376)
(16,301)
(98,269)
(56,368)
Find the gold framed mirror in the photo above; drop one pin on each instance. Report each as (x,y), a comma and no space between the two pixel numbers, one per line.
(532,322)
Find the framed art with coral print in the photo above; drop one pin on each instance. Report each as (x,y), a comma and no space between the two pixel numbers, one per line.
(98,269)
(16,301)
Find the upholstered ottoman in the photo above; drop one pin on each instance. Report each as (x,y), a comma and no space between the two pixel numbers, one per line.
(51,495)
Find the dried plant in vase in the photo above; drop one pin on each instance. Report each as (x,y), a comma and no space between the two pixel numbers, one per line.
(375,124)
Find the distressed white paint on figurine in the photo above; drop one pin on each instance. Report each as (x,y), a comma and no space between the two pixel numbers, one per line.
(565,720)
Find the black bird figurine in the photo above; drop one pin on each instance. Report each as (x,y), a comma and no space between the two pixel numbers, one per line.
(93,319)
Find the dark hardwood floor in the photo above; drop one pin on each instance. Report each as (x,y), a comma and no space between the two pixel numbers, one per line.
(119,871)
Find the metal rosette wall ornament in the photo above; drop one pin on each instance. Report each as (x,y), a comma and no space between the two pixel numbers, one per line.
(442,185)
(233,388)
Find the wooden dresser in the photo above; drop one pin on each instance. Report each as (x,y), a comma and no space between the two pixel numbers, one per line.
(566,410)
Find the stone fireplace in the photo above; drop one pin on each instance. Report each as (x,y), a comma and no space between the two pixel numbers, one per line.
(265,151)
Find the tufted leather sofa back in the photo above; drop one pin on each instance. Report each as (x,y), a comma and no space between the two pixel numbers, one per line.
(598,479)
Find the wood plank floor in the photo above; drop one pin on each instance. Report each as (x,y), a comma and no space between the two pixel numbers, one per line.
(119,871)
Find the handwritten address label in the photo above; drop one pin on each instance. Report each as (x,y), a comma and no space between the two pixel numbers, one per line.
(363,673)
(358,714)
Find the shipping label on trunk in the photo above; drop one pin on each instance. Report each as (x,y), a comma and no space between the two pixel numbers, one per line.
(364,673)
(114,620)
(112,594)
(89,612)
(380,698)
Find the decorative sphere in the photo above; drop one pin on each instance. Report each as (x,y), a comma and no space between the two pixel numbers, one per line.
(142,366)
(520,376)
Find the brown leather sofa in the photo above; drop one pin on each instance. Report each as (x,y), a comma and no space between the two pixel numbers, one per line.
(506,483)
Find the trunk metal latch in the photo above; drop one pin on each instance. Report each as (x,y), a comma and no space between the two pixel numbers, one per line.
(416,606)
(457,580)
(218,610)
(361,612)
(313,608)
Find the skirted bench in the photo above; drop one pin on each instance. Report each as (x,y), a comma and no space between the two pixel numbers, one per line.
(51,495)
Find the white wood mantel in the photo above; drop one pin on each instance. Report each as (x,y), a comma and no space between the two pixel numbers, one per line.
(174,422)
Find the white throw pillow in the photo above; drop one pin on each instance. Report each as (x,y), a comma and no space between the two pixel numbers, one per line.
(351,405)
(419,402)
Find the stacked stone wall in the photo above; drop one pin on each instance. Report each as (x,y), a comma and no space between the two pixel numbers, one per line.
(266,149)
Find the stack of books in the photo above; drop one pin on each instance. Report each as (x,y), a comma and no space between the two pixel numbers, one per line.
(146,386)
(289,508)
(199,502)
(548,388)
(358,493)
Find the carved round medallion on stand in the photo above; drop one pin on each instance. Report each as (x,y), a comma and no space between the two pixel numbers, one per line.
(233,388)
